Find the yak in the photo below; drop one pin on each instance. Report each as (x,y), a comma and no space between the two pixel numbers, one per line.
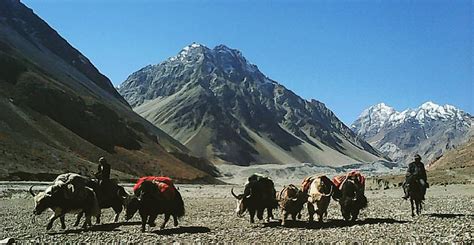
(352,198)
(152,196)
(64,199)
(319,190)
(109,194)
(259,195)
(291,200)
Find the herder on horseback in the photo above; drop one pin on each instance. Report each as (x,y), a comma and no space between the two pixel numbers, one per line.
(416,174)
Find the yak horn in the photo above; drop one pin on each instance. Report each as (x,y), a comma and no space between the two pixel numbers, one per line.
(233,194)
(31,191)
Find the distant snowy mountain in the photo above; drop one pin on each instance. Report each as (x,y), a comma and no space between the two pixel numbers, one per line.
(219,105)
(429,130)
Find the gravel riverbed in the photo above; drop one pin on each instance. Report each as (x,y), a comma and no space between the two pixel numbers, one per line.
(447,217)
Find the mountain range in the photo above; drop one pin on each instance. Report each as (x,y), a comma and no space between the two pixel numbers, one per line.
(223,108)
(59,113)
(429,130)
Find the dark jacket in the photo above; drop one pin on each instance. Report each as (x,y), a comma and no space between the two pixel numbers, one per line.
(416,170)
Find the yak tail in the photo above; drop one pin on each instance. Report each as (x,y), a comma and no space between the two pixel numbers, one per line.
(179,205)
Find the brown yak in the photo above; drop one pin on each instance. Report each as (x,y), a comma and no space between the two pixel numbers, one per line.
(319,190)
(291,200)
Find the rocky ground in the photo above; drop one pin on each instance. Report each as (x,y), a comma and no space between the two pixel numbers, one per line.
(448,217)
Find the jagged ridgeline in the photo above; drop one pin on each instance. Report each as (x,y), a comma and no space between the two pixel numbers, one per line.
(429,130)
(223,108)
(58,113)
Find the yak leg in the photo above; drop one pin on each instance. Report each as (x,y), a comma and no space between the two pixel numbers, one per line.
(78,218)
(117,209)
(252,214)
(52,219)
(284,215)
(144,219)
(151,220)
(345,213)
(355,213)
(175,220)
(293,216)
(63,225)
(260,213)
(310,211)
(320,214)
(167,217)
(269,214)
(97,219)
(87,222)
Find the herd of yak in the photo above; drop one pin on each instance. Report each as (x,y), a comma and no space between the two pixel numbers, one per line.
(153,195)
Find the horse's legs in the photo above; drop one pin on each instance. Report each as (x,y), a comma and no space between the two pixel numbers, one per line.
(412,207)
(418,207)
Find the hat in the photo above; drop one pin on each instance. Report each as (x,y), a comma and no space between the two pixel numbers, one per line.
(417,156)
(102,160)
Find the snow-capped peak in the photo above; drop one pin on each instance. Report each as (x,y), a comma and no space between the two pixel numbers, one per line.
(380,114)
(189,51)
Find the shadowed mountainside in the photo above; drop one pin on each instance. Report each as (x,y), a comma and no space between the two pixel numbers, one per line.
(59,113)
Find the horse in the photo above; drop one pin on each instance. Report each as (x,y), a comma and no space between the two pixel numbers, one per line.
(416,194)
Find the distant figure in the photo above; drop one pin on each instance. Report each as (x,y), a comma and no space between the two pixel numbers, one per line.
(103,171)
(415,172)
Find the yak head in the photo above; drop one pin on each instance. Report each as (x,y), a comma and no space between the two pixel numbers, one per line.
(147,190)
(131,203)
(242,201)
(43,201)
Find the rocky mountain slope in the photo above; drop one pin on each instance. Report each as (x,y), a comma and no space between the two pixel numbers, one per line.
(461,157)
(59,113)
(429,130)
(223,108)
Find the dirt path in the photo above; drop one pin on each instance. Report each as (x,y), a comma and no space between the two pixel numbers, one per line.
(448,217)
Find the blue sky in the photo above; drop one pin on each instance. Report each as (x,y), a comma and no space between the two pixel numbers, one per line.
(347,54)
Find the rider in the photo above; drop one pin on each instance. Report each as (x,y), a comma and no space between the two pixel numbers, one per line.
(103,171)
(415,172)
